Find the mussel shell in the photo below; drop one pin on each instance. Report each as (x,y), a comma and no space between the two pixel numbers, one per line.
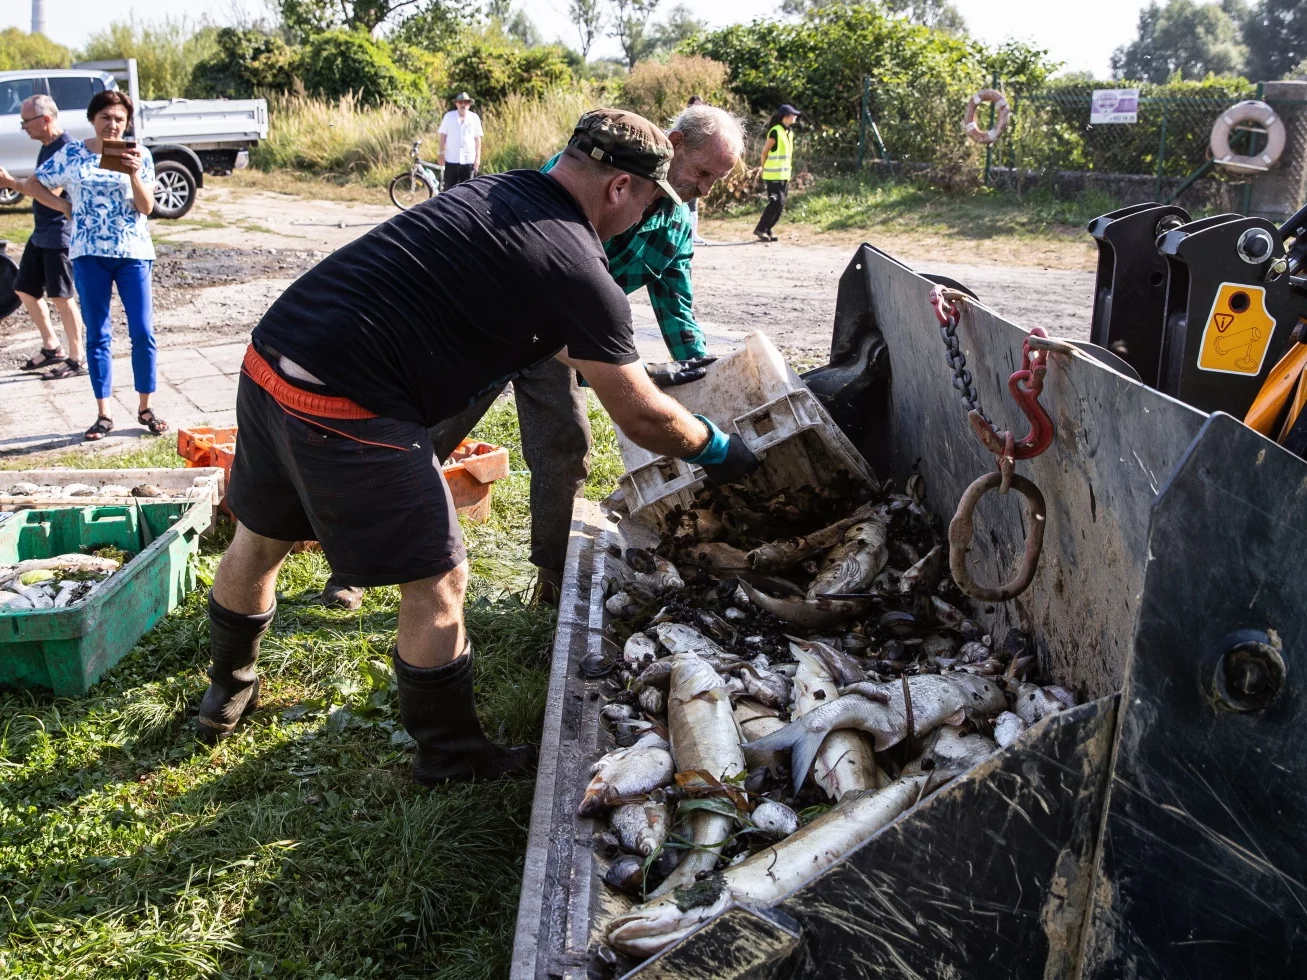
(900,624)
(607,845)
(625,874)
(595,665)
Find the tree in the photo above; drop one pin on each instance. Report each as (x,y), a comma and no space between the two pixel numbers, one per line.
(1183,38)
(630,26)
(522,29)
(938,14)
(306,18)
(1276,34)
(19,50)
(246,62)
(435,25)
(680,26)
(499,10)
(588,16)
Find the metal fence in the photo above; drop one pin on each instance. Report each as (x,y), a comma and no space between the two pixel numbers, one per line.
(1051,141)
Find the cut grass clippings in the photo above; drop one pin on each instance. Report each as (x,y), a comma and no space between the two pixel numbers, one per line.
(299,847)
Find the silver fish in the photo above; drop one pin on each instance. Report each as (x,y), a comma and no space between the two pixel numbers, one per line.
(652,701)
(765,686)
(717,555)
(808,614)
(925,574)
(774,820)
(697,525)
(771,873)
(936,699)
(955,752)
(1035,702)
(841,666)
(1007,729)
(845,762)
(641,827)
(640,651)
(663,578)
(637,771)
(623,605)
(679,638)
(781,554)
(704,737)
(856,560)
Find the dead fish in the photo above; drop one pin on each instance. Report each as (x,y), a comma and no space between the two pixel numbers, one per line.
(704,737)
(925,574)
(147,490)
(946,615)
(679,638)
(78,490)
(623,605)
(718,556)
(658,674)
(765,686)
(640,651)
(1007,729)
(75,563)
(936,699)
(768,875)
(843,668)
(1035,702)
(808,614)
(845,762)
(974,652)
(714,625)
(782,554)
(115,490)
(856,560)
(656,575)
(641,827)
(636,771)
(614,713)
(697,526)
(1062,694)
(24,490)
(955,752)
(652,701)
(734,615)
(746,710)
(774,820)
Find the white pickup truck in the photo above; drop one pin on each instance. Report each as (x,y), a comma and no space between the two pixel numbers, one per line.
(187,137)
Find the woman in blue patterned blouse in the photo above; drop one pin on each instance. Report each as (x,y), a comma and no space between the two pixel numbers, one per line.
(110,245)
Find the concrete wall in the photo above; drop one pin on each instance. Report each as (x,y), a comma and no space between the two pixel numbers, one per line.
(1283,189)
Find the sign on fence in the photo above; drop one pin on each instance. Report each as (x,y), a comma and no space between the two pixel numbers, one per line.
(1114,105)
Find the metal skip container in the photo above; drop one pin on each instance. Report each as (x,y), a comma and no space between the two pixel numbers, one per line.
(1152,831)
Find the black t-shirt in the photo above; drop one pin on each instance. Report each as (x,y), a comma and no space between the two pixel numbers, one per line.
(424,313)
(52,229)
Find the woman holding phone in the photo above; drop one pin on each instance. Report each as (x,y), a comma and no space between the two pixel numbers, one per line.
(109,193)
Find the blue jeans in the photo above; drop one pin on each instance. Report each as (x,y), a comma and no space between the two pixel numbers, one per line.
(95,276)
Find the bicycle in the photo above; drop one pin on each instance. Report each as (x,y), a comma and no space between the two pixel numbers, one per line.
(421,182)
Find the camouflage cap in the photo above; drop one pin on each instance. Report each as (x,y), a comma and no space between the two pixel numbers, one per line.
(628,142)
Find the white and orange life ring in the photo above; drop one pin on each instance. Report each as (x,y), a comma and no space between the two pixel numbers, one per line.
(972,128)
(1248,111)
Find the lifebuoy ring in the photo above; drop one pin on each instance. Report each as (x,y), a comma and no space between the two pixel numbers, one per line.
(1248,111)
(972,129)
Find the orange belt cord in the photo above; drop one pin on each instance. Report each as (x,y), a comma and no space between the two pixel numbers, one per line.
(288,396)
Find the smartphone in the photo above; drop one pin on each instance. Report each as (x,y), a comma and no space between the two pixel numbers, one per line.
(111,152)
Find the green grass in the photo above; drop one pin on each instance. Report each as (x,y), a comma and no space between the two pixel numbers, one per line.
(912,206)
(299,848)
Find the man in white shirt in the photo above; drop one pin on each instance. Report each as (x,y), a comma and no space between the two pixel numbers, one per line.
(460,142)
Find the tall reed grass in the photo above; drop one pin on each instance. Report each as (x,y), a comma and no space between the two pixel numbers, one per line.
(346,141)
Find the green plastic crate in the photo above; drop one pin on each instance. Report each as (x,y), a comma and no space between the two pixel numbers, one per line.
(67,650)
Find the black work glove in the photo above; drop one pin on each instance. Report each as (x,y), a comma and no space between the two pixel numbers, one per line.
(739,462)
(675,373)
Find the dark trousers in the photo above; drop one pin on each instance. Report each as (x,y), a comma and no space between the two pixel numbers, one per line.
(551,412)
(777,191)
(456,173)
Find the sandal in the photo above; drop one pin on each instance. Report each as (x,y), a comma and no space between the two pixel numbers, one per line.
(156,425)
(48,356)
(103,426)
(68,369)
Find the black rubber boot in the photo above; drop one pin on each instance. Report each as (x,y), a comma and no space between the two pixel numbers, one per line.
(341,596)
(233,685)
(548,588)
(438,708)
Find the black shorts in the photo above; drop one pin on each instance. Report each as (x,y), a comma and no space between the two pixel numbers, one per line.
(44,272)
(370,491)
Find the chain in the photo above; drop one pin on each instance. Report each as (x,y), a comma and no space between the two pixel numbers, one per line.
(957,360)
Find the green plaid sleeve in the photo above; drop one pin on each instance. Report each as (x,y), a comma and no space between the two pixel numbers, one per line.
(656,254)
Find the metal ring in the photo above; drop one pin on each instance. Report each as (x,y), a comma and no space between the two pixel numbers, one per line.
(960,531)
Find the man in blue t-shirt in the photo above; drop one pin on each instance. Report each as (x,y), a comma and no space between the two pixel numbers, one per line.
(45,269)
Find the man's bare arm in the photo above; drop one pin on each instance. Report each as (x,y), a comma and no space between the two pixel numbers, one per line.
(645,415)
(37,191)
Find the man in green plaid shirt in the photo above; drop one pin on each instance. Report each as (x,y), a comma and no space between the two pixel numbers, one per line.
(551,407)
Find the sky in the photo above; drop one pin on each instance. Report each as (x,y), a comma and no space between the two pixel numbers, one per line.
(1082,35)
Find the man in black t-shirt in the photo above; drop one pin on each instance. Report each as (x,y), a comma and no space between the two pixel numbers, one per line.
(391,334)
(45,269)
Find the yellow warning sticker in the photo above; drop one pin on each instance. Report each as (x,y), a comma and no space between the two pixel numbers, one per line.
(1238,331)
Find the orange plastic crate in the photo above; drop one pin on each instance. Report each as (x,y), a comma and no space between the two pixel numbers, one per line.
(470,472)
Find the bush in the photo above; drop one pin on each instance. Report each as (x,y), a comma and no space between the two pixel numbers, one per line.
(490,70)
(523,133)
(659,91)
(341,139)
(245,63)
(338,63)
(19,51)
(166,53)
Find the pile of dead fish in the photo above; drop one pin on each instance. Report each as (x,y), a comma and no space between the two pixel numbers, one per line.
(785,677)
(52,583)
(74,490)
